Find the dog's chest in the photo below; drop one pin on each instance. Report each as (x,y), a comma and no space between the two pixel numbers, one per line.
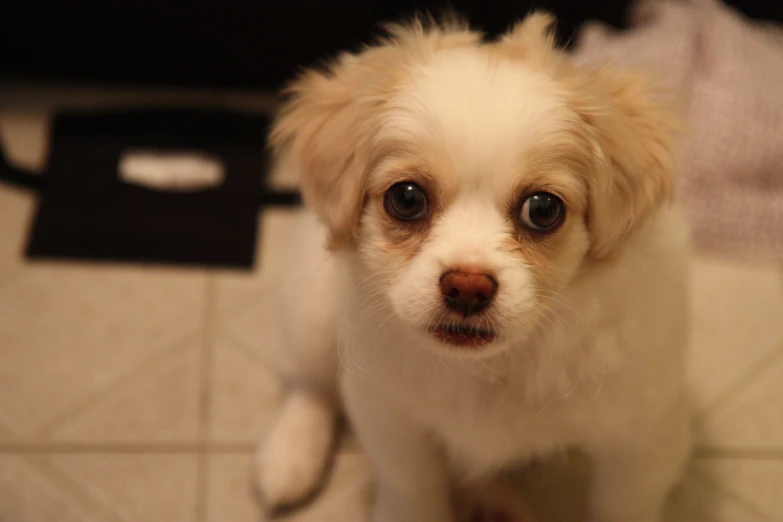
(484,424)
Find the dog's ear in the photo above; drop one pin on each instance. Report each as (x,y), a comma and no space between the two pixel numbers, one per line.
(633,130)
(325,129)
(321,132)
(631,126)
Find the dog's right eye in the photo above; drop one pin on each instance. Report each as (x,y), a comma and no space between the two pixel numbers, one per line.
(406,201)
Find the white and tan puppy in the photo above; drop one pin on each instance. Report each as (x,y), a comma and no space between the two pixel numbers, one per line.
(491,271)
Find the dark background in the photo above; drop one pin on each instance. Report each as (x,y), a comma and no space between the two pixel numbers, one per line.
(247,44)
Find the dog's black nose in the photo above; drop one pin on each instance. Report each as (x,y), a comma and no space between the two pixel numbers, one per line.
(467,293)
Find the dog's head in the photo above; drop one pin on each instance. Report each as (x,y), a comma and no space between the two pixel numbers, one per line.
(473,179)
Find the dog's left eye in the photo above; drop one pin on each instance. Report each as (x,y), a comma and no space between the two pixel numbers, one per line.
(406,201)
(542,211)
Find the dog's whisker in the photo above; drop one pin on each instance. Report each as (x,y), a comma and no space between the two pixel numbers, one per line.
(562,300)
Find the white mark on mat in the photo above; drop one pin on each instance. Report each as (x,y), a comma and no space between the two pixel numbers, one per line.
(171,171)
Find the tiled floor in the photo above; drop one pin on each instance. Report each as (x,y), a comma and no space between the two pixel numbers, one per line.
(139,394)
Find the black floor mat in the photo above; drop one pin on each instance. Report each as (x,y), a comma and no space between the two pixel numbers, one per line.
(86,212)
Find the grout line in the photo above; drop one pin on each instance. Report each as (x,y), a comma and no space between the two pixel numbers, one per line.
(225,447)
(244,448)
(201,505)
(205,395)
(207,349)
(219,448)
(739,453)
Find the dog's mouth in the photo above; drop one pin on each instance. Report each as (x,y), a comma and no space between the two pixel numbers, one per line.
(463,335)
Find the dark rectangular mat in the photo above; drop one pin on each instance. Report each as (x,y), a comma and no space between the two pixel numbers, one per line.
(86,212)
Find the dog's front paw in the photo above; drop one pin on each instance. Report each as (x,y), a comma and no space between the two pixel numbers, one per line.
(291,461)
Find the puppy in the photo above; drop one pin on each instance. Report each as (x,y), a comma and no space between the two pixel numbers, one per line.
(492,271)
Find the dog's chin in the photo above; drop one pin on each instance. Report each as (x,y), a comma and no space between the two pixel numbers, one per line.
(464,336)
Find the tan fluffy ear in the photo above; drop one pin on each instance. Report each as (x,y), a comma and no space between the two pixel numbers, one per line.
(634,132)
(324,131)
(320,132)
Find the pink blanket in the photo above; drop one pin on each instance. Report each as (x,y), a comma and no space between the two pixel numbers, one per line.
(728,70)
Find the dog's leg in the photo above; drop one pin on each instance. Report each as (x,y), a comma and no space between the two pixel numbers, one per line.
(633,477)
(292,459)
(411,480)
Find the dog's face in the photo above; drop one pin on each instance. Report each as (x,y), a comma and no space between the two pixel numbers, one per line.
(474,181)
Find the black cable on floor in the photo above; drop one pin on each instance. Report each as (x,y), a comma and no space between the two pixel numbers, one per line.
(18,177)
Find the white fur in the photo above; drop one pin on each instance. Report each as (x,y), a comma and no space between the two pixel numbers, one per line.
(596,364)
(292,459)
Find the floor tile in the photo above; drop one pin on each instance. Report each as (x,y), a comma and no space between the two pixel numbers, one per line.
(69,332)
(254,324)
(16,210)
(30,494)
(344,498)
(230,495)
(710,492)
(557,491)
(25,137)
(235,290)
(737,316)
(157,404)
(245,389)
(752,418)
(136,487)
(754,484)
(699,499)
(5,435)
(245,395)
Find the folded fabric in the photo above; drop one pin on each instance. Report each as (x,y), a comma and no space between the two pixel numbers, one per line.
(728,71)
